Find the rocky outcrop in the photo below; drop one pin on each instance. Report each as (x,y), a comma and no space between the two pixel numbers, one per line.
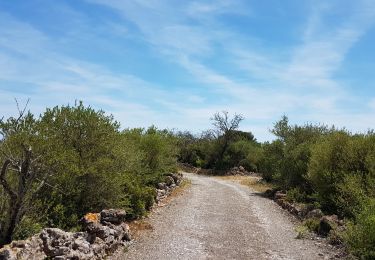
(102,234)
(31,248)
(172,180)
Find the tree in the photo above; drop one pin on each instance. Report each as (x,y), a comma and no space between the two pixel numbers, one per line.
(82,150)
(225,129)
(22,172)
(281,128)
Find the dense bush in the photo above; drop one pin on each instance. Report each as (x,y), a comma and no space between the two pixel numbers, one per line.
(270,162)
(73,160)
(327,167)
(360,235)
(341,171)
(222,147)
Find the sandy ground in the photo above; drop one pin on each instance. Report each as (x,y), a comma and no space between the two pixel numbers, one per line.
(219,219)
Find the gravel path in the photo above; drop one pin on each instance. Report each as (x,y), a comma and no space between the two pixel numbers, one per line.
(218,219)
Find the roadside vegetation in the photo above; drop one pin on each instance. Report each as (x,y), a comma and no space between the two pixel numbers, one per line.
(327,168)
(71,160)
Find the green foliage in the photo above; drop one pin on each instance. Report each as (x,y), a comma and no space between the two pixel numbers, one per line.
(26,228)
(351,196)
(302,231)
(341,171)
(242,153)
(82,158)
(327,167)
(312,224)
(222,147)
(270,162)
(297,143)
(360,236)
(296,195)
(138,198)
(84,163)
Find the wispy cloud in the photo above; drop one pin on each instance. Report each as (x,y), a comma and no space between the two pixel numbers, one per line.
(234,70)
(54,78)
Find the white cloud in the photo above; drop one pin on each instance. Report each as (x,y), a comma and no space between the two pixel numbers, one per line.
(263,83)
(286,80)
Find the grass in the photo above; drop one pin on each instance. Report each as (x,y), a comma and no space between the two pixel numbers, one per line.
(302,231)
(255,183)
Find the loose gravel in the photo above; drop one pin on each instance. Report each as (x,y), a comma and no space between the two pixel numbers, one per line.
(219,219)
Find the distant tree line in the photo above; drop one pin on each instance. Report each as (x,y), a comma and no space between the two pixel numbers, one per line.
(222,147)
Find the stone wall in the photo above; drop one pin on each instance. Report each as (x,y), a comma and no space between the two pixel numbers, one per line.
(102,234)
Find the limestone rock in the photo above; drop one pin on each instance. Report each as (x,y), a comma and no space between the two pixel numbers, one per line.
(114,216)
(162,186)
(177,177)
(104,233)
(327,223)
(315,213)
(169,180)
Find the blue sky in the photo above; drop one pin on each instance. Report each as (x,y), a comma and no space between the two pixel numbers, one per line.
(175,63)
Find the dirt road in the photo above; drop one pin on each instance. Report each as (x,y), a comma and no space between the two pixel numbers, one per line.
(218,219)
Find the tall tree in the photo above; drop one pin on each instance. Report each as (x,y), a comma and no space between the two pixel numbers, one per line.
(225,128)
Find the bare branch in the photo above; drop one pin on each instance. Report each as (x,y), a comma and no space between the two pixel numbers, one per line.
(222,123)
(4,182)
(21,112)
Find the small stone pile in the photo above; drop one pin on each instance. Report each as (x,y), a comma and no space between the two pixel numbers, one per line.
(238,171)
(103,233)
(171,181)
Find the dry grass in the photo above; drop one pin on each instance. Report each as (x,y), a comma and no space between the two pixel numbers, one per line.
(138,226)
(253,182)
(178,191)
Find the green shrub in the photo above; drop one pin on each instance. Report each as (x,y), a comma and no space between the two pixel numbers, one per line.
(296,195)
(341,172)
(336,236)
(81,162)
(360,235)
(312,224)
(26,228)
(138,198)
(351,195)
(302,231)
(269,163)
(327,168)
(296,151)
